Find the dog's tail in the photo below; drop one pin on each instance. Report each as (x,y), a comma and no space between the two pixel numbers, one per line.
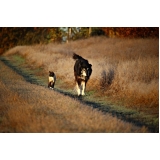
(76,56)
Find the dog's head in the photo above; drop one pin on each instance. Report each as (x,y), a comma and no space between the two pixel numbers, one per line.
(51,74)
(86,70)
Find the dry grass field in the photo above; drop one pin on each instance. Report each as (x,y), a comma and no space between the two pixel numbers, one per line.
(30,108)
(125,70)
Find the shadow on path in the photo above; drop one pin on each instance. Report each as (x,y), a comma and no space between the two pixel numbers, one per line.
(28,76)
(108,109)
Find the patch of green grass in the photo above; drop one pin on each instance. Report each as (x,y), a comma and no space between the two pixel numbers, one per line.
(129,114)
(18,59)
(17,63)
(90,93)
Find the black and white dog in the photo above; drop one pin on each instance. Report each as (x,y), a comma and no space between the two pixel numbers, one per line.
(51,79)
(82,73)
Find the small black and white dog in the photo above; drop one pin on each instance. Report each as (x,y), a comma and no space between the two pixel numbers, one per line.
(82,73)
(51,79)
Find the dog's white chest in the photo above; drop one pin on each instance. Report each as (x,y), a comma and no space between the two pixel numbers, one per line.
(51,79)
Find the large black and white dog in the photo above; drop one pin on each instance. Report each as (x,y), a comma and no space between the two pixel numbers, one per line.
(82,73)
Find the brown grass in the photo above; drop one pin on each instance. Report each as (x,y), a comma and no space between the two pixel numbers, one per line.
(26,107)
(126,70)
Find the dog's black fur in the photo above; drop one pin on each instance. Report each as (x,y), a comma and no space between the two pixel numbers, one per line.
(81,64)
(51,79)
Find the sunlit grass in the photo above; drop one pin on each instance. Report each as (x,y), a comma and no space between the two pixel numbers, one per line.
(124,70)
(133,64)
(30,108)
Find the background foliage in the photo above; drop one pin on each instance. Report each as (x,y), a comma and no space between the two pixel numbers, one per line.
(132,32)
(13,36)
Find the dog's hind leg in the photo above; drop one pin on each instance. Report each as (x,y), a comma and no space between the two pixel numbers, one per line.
(49,84)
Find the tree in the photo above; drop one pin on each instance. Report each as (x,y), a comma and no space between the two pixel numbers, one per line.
(131,32)
(12,36)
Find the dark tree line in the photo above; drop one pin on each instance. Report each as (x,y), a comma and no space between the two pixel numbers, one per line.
(12,36)
(132,32)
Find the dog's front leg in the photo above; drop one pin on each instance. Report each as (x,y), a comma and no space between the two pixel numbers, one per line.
(82,88)
(78,89)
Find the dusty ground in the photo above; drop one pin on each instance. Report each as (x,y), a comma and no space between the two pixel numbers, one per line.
(26,107)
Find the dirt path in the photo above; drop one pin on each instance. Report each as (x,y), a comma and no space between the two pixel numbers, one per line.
(26,107)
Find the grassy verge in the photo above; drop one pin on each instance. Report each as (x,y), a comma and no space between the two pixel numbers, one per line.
(103,103)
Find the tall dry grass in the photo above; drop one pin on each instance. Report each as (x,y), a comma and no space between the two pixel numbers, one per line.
(123,69)
(26,107)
